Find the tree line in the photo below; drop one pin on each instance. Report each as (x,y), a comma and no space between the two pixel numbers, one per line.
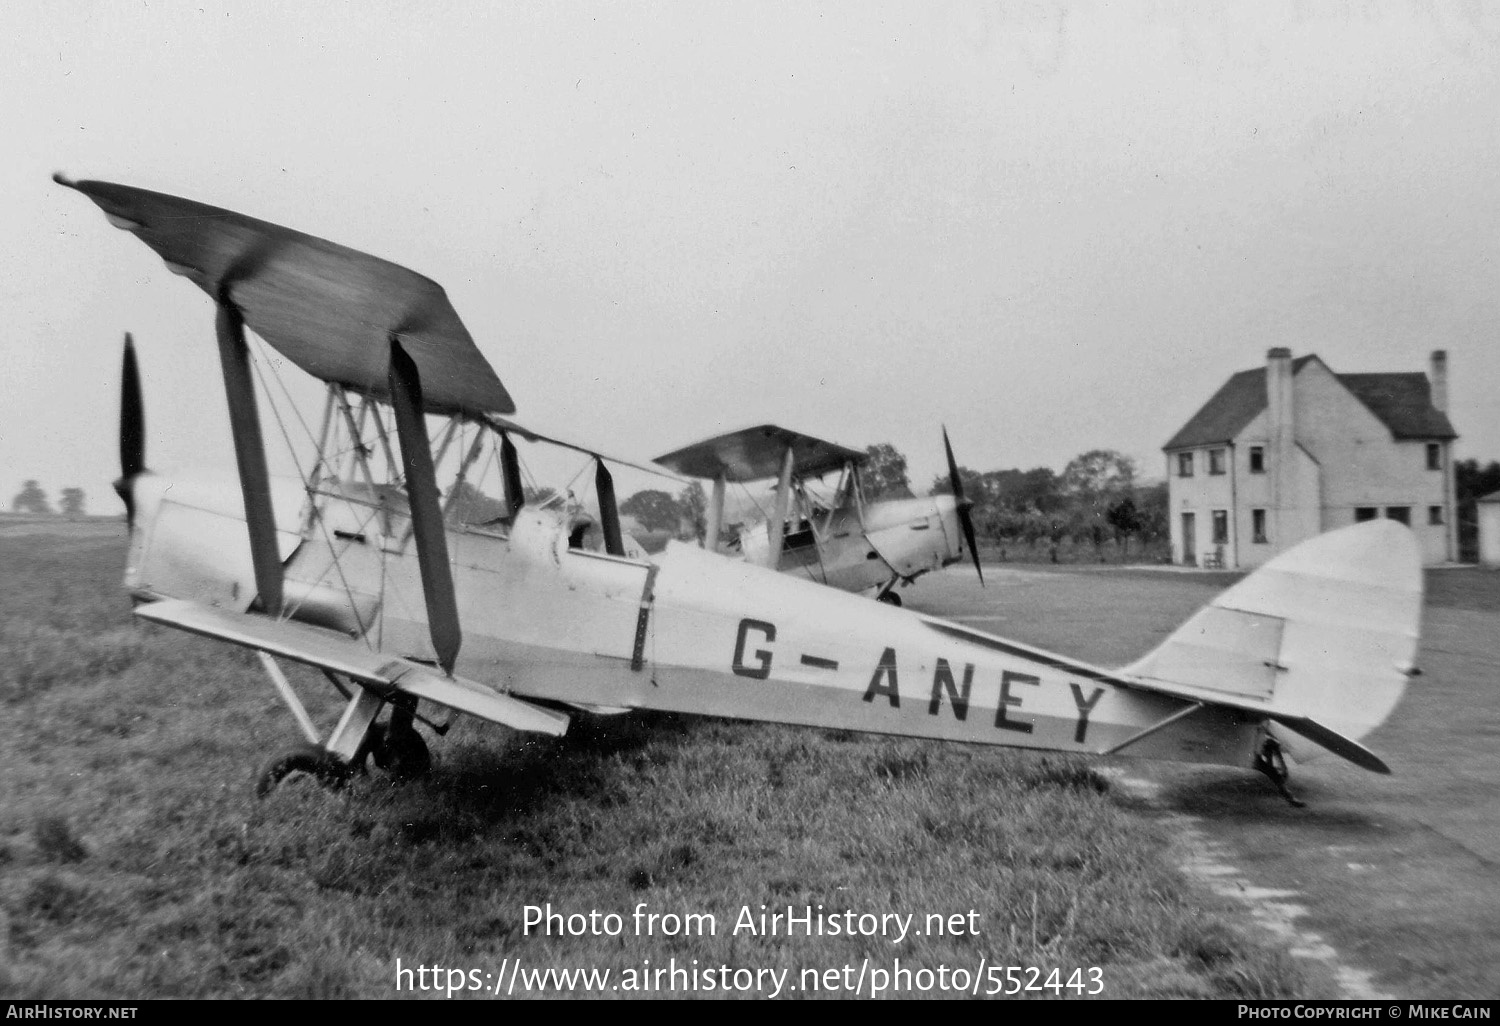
(1096,500)
(32,498)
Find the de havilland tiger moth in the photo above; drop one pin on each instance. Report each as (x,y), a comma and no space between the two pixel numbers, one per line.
(408,594)
(845,540)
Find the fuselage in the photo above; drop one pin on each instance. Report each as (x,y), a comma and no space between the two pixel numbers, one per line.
(854,550)
(692,632)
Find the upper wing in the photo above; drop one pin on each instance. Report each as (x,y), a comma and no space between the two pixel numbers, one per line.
(329,309)
(755,453)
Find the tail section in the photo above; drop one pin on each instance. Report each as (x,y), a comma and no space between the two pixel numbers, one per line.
(1321,641)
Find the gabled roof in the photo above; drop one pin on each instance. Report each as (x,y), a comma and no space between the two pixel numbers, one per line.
(1402,402)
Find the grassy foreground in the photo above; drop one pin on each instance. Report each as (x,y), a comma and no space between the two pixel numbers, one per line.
(136,862)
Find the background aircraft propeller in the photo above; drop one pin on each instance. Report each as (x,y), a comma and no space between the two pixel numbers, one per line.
(132,430)
(965,506)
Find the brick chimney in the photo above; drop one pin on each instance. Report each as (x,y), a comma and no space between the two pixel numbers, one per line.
(1437,376)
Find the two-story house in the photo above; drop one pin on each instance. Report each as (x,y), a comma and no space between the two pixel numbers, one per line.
(1290,450)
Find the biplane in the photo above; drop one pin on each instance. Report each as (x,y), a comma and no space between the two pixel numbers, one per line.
(410,597)
(839,538)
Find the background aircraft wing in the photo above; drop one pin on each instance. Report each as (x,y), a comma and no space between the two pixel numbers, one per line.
(329,309)
(756,453)
(326,649)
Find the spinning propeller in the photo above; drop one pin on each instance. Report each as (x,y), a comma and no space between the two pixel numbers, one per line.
(132,430)
(965,506)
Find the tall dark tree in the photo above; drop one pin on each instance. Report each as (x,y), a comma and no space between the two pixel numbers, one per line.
(883,476)
(1125,519)
(1097,474)
(1151,509)
(31,499)
(653,509)
(692,504)
(1472,482)
(72,501)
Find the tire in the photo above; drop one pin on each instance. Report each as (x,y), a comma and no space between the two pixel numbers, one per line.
(890,598)
(308,761)
(402,753)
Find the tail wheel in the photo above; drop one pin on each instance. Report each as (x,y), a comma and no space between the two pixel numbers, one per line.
(1270,761)
(305,762)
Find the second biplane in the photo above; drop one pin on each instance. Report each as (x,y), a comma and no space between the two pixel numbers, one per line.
(402,592)
(842,539)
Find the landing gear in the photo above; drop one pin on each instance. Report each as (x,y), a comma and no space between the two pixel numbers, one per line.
(887,592)
(397,747)
(1270,761)
(305,762)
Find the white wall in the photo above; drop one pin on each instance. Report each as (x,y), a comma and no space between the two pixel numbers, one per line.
(1489,534)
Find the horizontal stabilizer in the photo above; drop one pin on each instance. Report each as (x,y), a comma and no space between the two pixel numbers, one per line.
(330,650)
(1320,640)
(1335,742)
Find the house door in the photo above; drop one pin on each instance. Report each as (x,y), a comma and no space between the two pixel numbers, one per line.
(1189,540)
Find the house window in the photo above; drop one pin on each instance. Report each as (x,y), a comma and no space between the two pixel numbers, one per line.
(1363,513)
(1435,515)
(1258,526)
(1216,461)
(1221,527)
(1434,456)
(1401,513)
(1257,459)
(1184,464)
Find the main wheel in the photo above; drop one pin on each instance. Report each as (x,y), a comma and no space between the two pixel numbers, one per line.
(303,762)
(890,598)
(402,753)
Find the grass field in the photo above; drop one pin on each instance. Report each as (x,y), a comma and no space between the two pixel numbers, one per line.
(135,861)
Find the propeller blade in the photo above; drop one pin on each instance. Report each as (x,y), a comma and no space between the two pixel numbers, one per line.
(953,478)
(132,415)
(132,429)
(966,521)
(965,506)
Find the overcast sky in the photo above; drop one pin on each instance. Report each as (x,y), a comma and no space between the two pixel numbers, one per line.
(1053,226)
